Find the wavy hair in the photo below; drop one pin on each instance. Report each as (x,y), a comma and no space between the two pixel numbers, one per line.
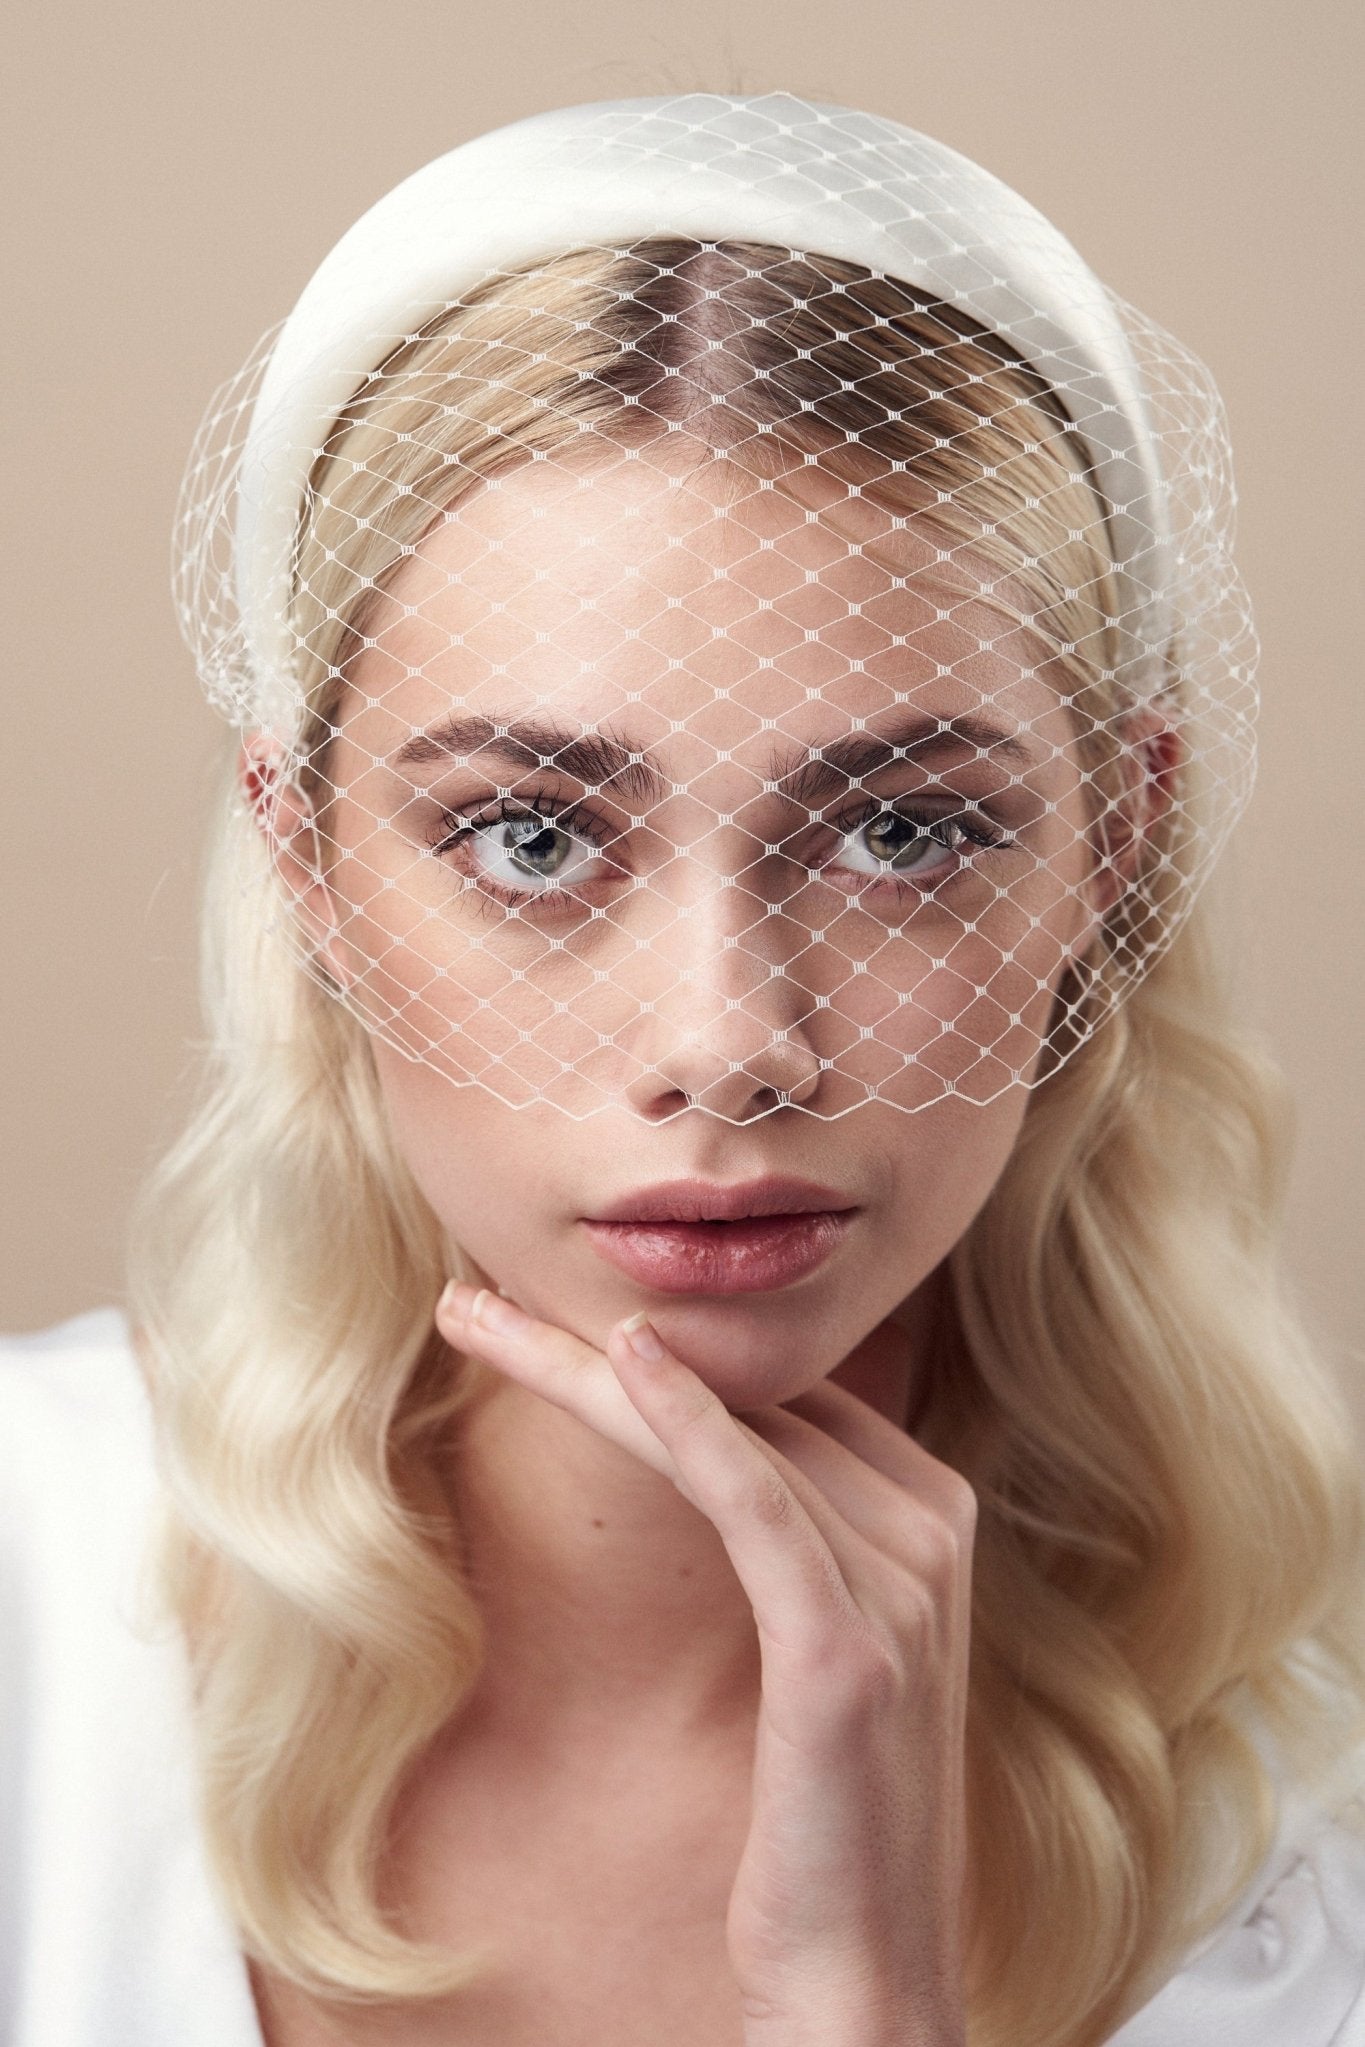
(1169,1542)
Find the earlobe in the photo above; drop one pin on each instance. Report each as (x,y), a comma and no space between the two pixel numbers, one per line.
(284,814)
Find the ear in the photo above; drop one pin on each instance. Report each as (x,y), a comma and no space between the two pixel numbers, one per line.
(1153,752)
(284,814)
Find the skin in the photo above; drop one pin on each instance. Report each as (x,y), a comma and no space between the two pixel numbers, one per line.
(742,1539)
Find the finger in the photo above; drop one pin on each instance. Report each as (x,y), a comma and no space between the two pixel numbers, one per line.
(570,1373)
(893,1518)
(878,1441)
(562,1368)
(769,1518)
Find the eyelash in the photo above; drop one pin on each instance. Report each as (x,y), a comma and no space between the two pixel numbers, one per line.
(582,822)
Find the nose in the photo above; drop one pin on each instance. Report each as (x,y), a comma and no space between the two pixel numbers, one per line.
(730,1033)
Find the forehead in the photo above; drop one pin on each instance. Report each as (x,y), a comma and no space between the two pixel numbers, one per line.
(676,592)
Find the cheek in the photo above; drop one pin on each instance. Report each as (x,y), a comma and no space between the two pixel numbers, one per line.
(444,984)
(477,1163)
(948,1161)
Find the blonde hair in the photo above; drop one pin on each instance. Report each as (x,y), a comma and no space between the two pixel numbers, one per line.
(1171,1525)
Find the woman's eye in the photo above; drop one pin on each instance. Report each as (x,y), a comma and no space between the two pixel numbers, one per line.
(921,846)
(521,852)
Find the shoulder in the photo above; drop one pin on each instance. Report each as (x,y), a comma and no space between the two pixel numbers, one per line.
(111,1928)
(72,1411)
(77,1482)
(1288,1968)
(81,1369)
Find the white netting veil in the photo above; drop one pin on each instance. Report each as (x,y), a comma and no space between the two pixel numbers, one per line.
(715,585)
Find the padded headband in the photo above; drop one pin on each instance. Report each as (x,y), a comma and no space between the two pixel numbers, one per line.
(814,178)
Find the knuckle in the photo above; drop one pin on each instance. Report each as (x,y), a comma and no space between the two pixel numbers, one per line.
(960,1505)
(851,1670)
(693,1411)
(770,1499)
(944,1536)
(922,1611)
(876,1676)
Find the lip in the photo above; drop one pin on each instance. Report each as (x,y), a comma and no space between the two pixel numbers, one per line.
(706,1237)
(690,1201)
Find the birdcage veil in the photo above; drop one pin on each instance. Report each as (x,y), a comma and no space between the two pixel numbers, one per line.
(723,566)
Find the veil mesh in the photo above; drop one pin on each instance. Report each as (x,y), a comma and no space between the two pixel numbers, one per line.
(717,589)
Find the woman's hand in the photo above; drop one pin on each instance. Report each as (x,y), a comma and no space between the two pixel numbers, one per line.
(854,1547)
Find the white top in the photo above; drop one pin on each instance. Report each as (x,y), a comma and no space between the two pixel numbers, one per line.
(111,1932)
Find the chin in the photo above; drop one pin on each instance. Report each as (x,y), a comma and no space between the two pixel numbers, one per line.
(745,1366)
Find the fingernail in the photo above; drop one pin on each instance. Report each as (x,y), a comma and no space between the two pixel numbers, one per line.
(448,1306)
(494,1311)
(640,1334)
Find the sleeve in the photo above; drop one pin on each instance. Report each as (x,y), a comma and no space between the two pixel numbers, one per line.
(1291,1972)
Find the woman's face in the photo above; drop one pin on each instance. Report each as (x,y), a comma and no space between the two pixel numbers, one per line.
(701,879)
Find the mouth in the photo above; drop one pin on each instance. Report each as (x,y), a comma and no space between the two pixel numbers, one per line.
(700,1237)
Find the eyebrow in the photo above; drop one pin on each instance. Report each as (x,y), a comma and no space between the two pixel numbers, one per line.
(596,759)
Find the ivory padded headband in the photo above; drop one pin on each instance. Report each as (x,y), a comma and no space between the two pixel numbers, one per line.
(812,177)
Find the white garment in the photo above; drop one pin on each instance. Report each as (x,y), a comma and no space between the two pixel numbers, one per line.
(111,1932)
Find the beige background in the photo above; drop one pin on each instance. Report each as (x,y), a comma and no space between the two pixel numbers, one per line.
(177,171)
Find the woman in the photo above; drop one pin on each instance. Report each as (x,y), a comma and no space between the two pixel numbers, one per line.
(741,682)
